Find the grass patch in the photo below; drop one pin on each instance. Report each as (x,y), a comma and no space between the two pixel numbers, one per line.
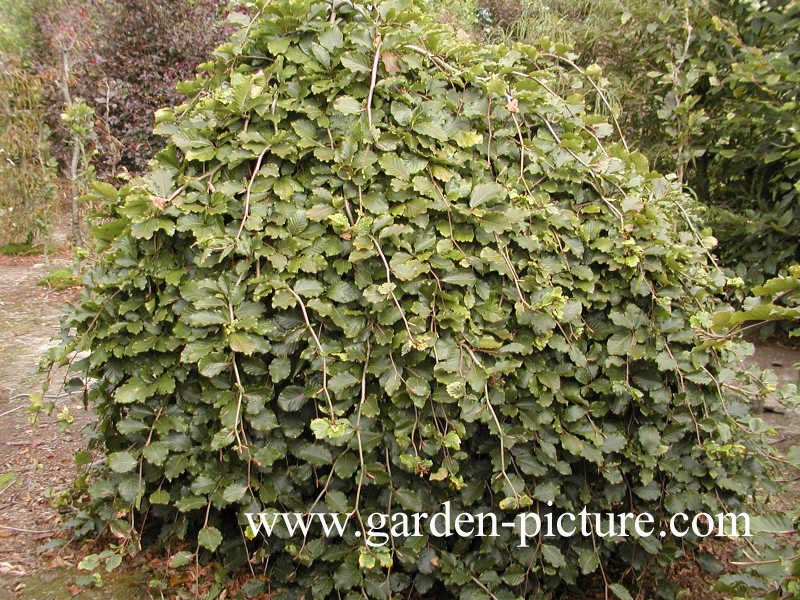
(60,278)
(24,250)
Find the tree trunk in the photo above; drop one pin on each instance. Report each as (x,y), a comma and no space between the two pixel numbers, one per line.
(72,175)
(77,238)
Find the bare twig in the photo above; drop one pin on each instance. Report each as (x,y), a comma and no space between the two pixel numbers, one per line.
(376,43)
(249,190)
(600,93)
(320,349)
(22,530)
(8,412)
(486,590)
(391,293)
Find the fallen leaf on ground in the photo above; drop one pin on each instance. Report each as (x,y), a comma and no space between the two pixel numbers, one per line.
(12,570)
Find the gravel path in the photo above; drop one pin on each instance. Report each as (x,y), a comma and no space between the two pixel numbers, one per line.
(36,460)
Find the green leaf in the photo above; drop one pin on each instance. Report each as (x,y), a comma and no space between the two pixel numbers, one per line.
(418,387)
(181,559)
(112,562)
(348,105)
(401,112)
(650,439)
(315,454)
(337,501)
(666,362)
(194,351)
(430,128)
(292,398)
(122,462)
(484,193)
(213,364)
(467,139)
(451,440)
(355,63)
(130,488)
(620,591)
(331,39)
(132,391)
(343,292)
(128,426)
(82,458)
(406,268)
(160,497)
(190,503)
(105,189)
(346,576)
(240,342)
(265,420)
(203,318)
(321,428)
(234,492)
(620,344)
(546,491)
(588,560)
(308,288)
(408,499)
(771,523)
(777,285)
(283,299)
(89,562)
(279,369)
(340,382)
(366,560)
(156,452)
(552,554)
(222,439)
(461,278)
(401,168)
(209,538)
(508,503)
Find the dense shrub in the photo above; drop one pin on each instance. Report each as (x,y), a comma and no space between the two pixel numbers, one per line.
(377,268)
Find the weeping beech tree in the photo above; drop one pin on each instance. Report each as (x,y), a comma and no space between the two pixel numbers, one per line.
(380,267)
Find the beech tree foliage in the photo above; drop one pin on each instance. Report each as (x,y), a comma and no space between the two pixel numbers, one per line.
(379,267)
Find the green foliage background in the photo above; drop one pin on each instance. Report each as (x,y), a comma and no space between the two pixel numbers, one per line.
(708,90)
(17,27)
(28,192)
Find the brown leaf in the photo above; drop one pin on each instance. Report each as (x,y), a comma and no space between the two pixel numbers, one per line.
(390,62)
(10,569)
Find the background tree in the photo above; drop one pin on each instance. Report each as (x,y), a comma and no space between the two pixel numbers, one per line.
(708,90)
(145,48)
(97,72)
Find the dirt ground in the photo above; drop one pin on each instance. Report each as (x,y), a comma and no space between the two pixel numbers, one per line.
(783,362)
(36,460)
